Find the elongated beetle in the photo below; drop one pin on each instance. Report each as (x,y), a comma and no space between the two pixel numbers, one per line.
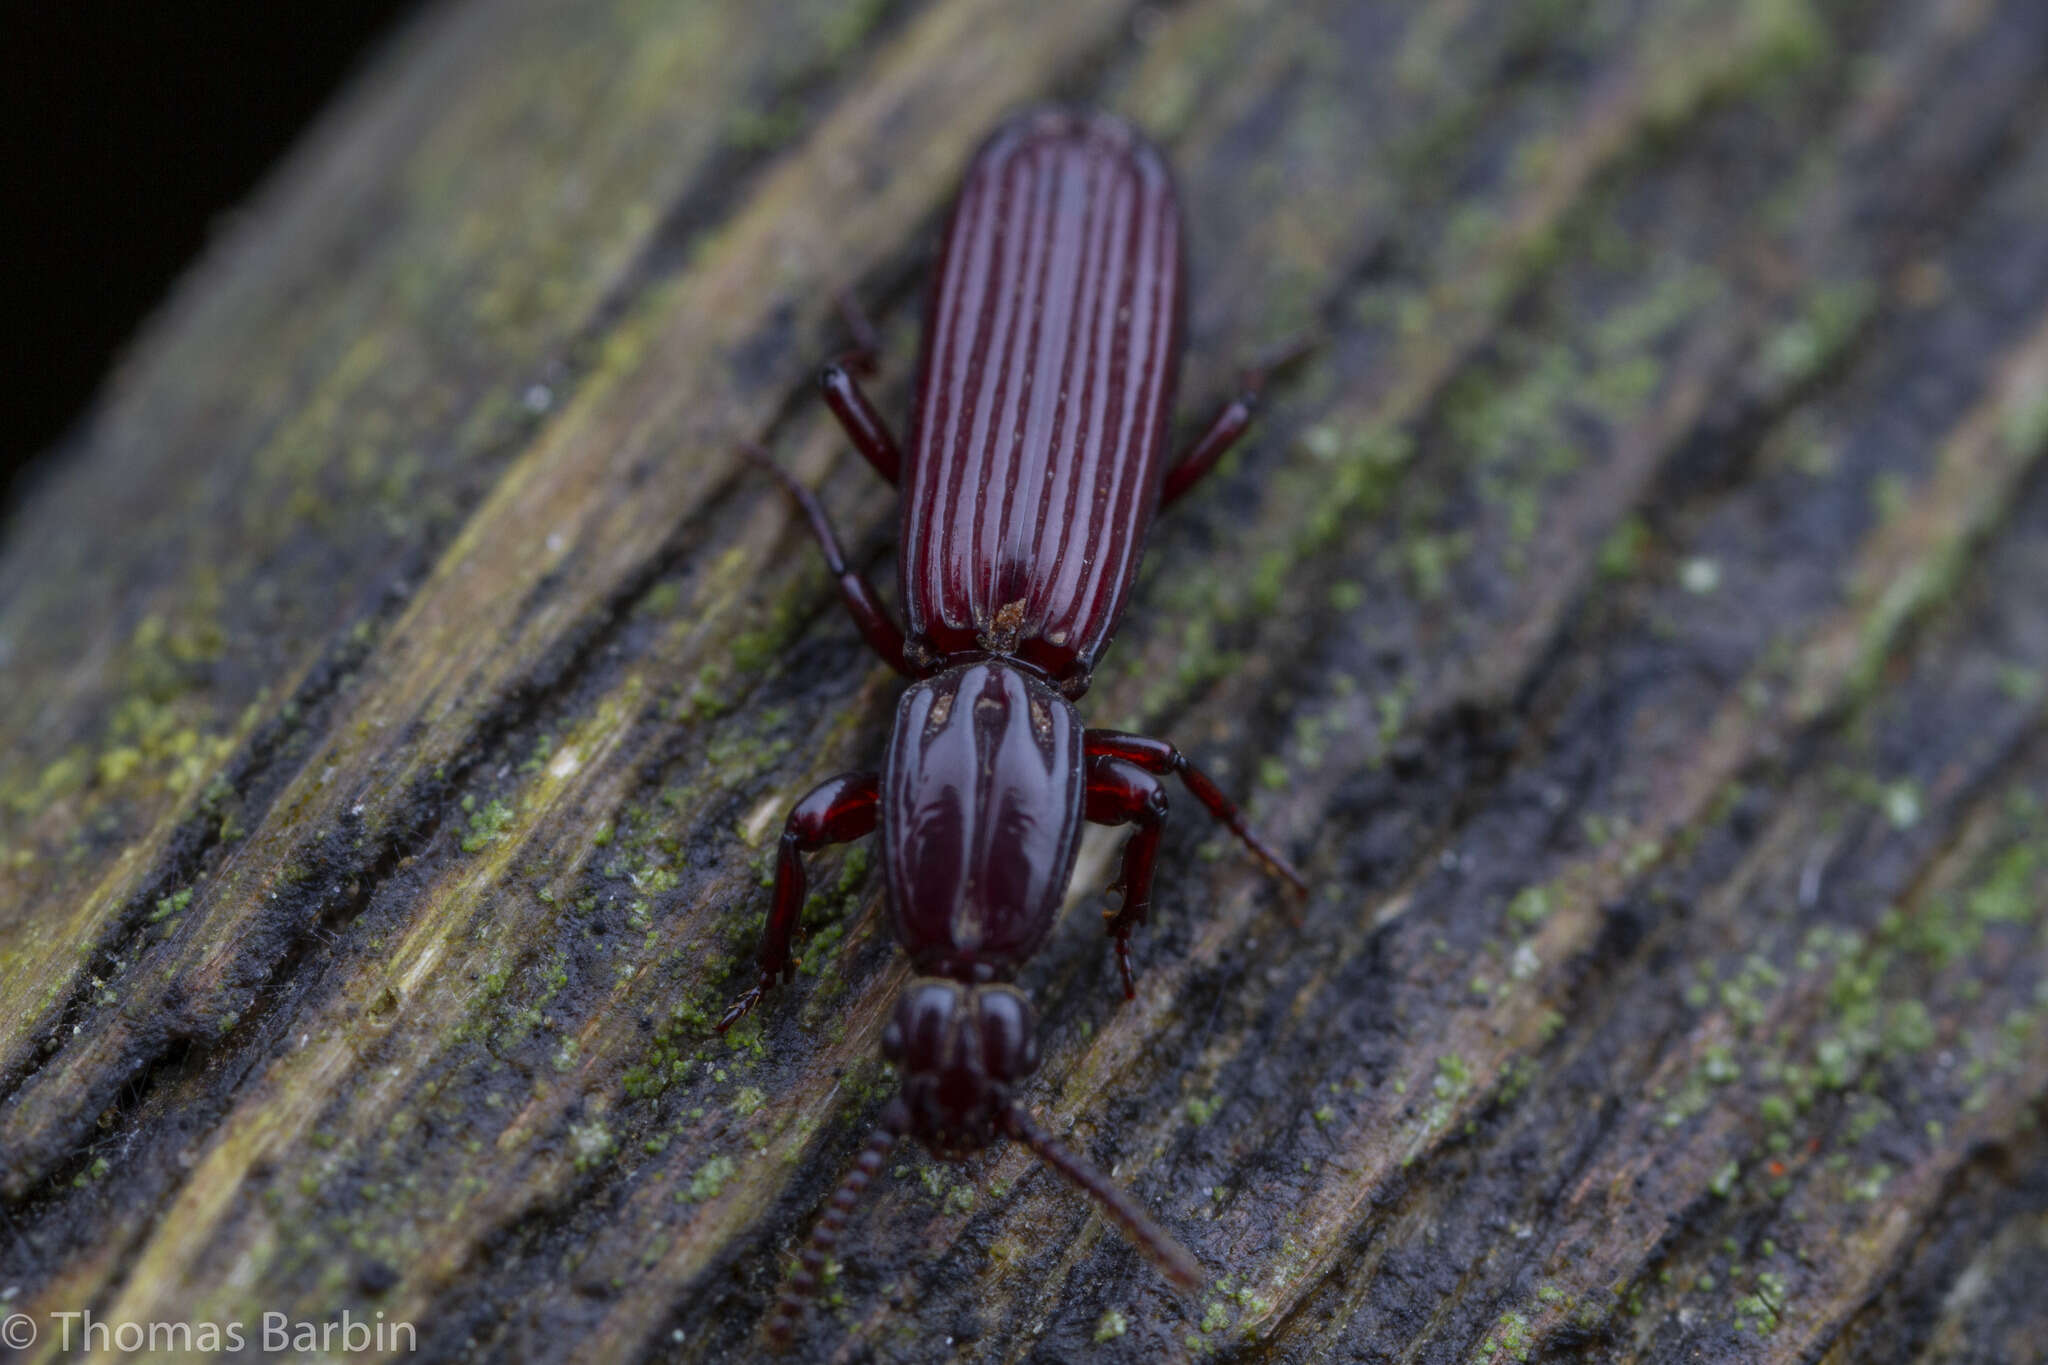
(1052,345)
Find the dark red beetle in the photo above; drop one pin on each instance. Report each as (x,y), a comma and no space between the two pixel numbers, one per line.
(1037,458)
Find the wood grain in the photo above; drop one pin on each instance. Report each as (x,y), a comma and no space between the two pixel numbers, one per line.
(1630,617)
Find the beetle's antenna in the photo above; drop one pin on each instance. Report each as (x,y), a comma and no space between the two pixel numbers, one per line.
(810,1272)
(1173,1259)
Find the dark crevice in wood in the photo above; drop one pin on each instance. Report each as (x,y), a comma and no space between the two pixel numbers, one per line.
(257,773)
(269,967)
(1999,1186)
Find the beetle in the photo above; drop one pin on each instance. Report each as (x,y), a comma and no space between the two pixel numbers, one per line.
(1037,460)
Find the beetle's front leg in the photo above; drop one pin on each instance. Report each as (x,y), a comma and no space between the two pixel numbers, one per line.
(1122,794)
(860,421)
(835,812)
(863,603)
(857,416)
(1158,756)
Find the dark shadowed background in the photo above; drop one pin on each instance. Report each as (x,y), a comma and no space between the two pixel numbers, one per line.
(127,131)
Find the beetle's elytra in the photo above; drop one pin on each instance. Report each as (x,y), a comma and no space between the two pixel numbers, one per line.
(1036,462)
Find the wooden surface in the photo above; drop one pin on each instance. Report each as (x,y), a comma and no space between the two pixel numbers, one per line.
(1632,619)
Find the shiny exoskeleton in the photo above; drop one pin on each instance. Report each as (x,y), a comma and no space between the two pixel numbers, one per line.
(1037,460)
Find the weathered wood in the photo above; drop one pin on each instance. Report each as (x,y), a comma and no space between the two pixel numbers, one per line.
(1631,618)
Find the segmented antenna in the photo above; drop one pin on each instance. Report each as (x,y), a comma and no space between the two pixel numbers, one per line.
(810,1272)
(1174,1260)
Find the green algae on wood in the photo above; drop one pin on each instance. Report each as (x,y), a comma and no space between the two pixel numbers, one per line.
(375,872)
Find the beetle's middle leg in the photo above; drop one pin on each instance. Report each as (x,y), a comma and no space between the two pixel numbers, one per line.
(862,601)
(835,812)
(1120,793)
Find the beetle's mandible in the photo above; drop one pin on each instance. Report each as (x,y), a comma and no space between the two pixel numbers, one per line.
(1036,462)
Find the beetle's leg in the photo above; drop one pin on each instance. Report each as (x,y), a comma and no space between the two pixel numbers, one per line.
(1211,446)
(863,425)
(1158,756)
(854,589)
(1120,793)
(865,355)
(836,811)
(857,417)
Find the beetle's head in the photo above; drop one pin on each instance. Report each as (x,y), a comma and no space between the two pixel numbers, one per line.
(962,1049)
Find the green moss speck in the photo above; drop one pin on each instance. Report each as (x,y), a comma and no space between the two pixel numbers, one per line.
(486,824)
(2007,896)
(1870,1187)
(708,1181)
(1531,906)
(1623,548)
(171,905)
(1806,344)
(1511,1335)
(590,1143)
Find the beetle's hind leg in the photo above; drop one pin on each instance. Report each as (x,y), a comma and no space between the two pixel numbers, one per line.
(1211,446)
(1228,426)
(1120,793)
(835,812)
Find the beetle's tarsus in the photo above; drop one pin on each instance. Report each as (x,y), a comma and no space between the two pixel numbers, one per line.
(1255,377)
(864,357)
(743,1004)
